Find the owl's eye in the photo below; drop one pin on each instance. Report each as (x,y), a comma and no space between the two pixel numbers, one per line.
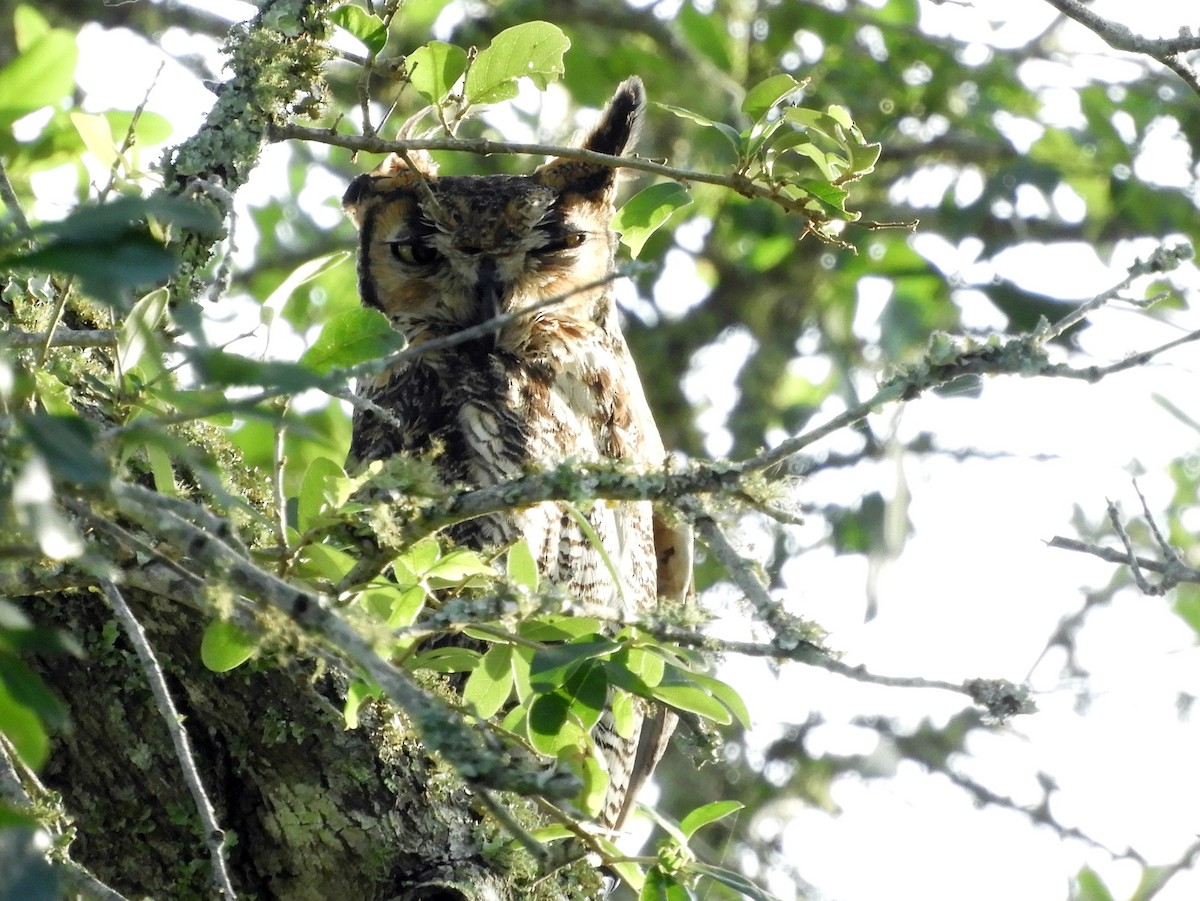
(412,254)
(567,240)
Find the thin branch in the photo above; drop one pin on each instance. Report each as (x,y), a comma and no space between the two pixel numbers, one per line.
(344,375)
(1168,51)
(214,835)
(373,144)
(1112,555)
(9,197)
(1119,37)
(60,338)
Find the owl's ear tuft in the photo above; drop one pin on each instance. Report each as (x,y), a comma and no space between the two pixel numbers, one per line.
(617,131)
(615,134)
(392,174)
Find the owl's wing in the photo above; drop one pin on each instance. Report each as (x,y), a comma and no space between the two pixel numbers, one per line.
(673,551)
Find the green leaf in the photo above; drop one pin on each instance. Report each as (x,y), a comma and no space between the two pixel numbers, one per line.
(490,684)
(109,246)
(768,93)
(138,329)
(735,881)
(663,886)
(708,33)
(96,133)
(397,606)
(678,690)
(149,130)
(27,688)
(646,211)
(458,566)
(1090,887)
(302,275)
(368,29)
(558,627)
(587,688)
(551,665)
(533,50)
(224,646)
(352,337)
(42,75)
(325,484)
(732,135)
(724,693)
(434,69)
(521,567)
(23,728)
(446,660)
(708,813)
(359,691)
(67,444)
(218,367)
(324,562)
(107,267)
(550,727)
(629,871)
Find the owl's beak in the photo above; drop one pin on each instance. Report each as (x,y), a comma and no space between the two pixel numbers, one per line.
(488,293)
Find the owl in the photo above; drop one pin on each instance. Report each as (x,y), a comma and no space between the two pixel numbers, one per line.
(438,255)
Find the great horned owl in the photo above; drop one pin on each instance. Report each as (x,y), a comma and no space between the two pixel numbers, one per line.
(441,254)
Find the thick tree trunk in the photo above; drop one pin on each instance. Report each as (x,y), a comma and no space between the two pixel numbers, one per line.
(316,811)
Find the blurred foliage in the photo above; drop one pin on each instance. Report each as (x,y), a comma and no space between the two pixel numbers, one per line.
(866,118)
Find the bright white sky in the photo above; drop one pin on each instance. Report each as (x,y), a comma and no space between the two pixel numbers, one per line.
(975,592)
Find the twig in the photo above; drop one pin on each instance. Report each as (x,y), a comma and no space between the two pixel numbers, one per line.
(344,375)
(1168,51)
(13,205)
(214,835)
(374,144)
(101,337)
(1112,555)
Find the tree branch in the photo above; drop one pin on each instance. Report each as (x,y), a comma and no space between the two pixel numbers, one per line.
(214,835)
(1168,51)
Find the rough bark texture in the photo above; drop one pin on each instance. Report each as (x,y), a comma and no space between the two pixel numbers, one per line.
(319,811)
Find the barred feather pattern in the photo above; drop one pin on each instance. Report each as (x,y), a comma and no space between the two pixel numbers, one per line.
(440,254)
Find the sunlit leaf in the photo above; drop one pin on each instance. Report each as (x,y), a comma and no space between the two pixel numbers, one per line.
(324,485)
(532,50)
(358,692)
(22,726)
(736,881)
(490,683)
(769,92)
(731,134)
(557,627)
(302,275)
(646,212)
(708,813)
(97,136)
(41,75)
(434,68)
(663,886)
(521,567)
(368,29)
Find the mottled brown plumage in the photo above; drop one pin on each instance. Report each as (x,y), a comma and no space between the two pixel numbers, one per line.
(439,254)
